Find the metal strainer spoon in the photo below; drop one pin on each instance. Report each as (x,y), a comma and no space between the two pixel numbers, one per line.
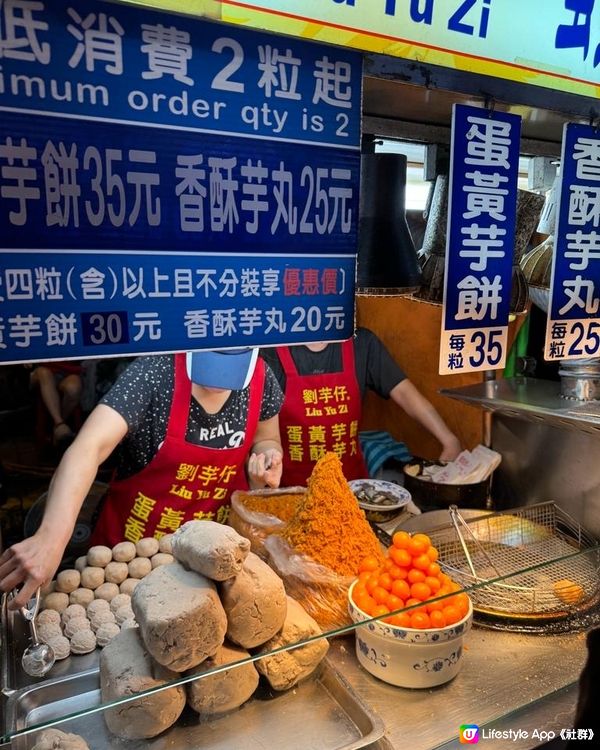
(38,659)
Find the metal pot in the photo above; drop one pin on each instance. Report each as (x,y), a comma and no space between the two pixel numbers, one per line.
(580,379)
(430,495)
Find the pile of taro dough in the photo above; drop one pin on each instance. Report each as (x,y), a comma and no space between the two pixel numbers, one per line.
(216,604)
(87,606)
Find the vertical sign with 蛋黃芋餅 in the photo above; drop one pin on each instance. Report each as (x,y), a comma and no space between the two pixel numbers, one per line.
(169,183)
(482,206)
(573,328)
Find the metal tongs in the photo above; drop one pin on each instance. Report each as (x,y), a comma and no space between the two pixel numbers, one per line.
(38,658)
(459,523)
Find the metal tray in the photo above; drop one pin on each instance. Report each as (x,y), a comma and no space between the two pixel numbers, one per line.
(323,711)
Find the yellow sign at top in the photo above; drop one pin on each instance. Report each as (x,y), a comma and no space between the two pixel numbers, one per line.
(550,43)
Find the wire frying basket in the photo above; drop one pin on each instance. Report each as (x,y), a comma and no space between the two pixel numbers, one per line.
(548,565)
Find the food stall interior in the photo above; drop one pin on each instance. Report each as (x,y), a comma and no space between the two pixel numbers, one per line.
(515,674)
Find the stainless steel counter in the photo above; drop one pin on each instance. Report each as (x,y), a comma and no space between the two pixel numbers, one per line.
(508,680)
(503,672)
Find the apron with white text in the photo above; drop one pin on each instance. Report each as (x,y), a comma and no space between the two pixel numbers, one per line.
(320,413)
(183,481)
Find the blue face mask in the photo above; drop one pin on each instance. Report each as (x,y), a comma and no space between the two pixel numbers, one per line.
(231,369)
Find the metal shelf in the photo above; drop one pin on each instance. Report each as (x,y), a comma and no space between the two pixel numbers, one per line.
(533,400)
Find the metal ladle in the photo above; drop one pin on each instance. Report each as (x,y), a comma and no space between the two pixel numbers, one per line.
(38,659)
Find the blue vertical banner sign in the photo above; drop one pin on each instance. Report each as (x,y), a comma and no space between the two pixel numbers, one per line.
(169,183)
(573,329)
(482,207)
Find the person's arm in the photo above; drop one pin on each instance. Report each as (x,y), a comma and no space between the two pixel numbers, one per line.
(423,411)
(265,464)
(34,561)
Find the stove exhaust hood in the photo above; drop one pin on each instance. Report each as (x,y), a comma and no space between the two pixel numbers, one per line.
(387,259)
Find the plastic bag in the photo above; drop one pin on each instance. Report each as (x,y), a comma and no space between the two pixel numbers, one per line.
(254,525)
(321,591)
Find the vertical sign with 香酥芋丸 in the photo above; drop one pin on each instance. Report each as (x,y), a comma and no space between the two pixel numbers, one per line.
(169,183)
(482,207)
(573,328)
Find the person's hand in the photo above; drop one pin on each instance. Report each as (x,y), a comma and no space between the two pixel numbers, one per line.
(450,449)
(31,563)
(265,469)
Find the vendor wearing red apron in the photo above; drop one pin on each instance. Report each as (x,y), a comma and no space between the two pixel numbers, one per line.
(324,385)
(321,413)
(191,428)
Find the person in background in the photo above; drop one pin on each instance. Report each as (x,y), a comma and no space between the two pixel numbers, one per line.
(59,385)
(191,428)
(324,385)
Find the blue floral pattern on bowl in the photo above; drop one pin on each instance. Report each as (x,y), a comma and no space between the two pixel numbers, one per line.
(410,635)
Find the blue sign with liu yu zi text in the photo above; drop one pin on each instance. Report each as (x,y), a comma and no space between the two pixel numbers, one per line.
(573,329)
(482,208)
(169,183)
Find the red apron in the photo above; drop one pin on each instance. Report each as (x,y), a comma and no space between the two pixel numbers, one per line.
(183,481)
(320,413)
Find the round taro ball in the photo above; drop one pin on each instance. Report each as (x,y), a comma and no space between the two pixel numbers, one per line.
(124,552)
(99,556)
(147,547)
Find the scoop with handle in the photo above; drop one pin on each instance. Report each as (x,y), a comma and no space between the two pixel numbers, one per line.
(38,659)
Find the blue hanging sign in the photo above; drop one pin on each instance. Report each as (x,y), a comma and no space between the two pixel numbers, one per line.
(482,208)
(168,183)
(573,329)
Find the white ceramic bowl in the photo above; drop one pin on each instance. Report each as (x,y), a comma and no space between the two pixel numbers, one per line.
(408,657)
(378,512)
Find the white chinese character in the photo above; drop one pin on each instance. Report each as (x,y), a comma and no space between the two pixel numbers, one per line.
(61,329)
(99,44)
(279,72)
(2,329)
(18,284)
(60,179)
(579,293)
(145,181)
(270,282)
(47,283)
(168,51)
(229,282)
(92,282)
(157,278)
(483,239)
(256,189)
(223,322)
(586,153)
(133,283)
(485,196)
(584,247)
(335,318)
(584,205)
(488,142)
(250,320)
(20,176)
(147,324)
(23,328)
(283,192)
(191,192)
(223,209)
(250,282)
(341,197)
(478,298)
(183,282)
(206,282)
(197,323)
(275,321)
(333,83)
(18,17)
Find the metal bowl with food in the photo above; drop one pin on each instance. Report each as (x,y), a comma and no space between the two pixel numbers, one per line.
(430,495)
(380,500)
